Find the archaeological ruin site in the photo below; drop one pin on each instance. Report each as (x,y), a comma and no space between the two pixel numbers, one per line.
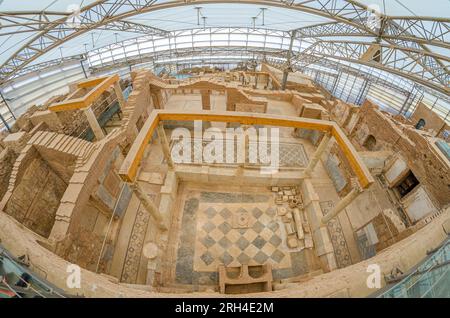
(224,149)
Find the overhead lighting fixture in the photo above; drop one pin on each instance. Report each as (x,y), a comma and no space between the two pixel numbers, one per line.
(263,17)
(198,14)
(254,22)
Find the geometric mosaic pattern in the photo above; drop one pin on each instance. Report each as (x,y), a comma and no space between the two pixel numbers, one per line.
(134,250)
(341,251)
(290,154)
(210,236)
(219,243)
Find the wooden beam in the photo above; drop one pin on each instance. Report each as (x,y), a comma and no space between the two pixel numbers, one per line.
(95,81)
(131,163)
(355,161)
(73,104)
(102,84)
(247,119)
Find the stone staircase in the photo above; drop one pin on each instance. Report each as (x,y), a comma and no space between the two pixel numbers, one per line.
(77,147)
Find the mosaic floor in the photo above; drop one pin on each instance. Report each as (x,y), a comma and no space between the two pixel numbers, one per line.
(232,229)
(291,154)
(341,251)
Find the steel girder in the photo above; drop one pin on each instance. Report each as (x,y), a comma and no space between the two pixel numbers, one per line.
(36,21)
(419,30)
(357,73)
(101,13)
(51,63)
(414,37)
(171,56)
(406,62)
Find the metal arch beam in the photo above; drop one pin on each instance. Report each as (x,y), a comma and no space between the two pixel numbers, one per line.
(339,67)
(394,46)
(419,30)
(393,61)
(36,21)
(402,39)
(404,59)
(160,56)
(104,12)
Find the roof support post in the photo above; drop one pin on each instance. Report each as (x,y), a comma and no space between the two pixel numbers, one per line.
(165,145)
(316,156)
(119,95)
(288,69)
(356,190)
(93,122)
(149,205)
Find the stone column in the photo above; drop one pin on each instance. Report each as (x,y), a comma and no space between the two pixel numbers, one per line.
(119,94)
(316,156)
(165,145)
(356,190)
(206,99)
(93,122)
(148,205)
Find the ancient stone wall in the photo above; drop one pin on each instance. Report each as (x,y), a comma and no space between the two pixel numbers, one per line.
(338,168)
(389,229)
(433,123)
(138,107)
(35,198)
(7,159)
(429,168)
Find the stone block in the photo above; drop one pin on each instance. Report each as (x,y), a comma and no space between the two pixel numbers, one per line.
(16,141)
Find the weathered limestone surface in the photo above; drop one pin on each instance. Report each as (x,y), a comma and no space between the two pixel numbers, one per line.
(35,199)
(406,254)
(428,166)
(433,123)
(7,159)
(66,189)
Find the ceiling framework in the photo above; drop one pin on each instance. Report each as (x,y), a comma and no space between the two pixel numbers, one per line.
(17,22)
(47,64)
(194,42)
(339,67)
(420,30)
(414,64)
(222,54)
(405,53)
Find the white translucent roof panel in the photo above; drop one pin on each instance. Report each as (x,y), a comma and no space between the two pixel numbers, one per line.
(177,18)
(186,16)
(433,8)
(40,5)
(226,15)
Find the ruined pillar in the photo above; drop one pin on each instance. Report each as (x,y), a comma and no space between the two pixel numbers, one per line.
(165,145)
(231,99)
(157,99)
(149,205)
(206,99)
(93,123)
(316,156)
(119,94)
(345,201)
